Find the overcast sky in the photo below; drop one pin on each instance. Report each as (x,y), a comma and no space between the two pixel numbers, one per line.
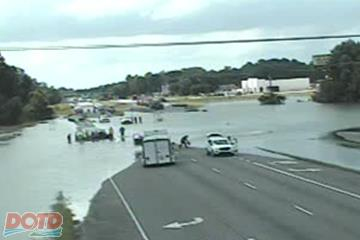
(77,22)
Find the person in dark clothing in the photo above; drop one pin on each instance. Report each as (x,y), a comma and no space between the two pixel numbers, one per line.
(111,133)
(184,142)
(140,119)
(135,120)
(122,132)
(69,138)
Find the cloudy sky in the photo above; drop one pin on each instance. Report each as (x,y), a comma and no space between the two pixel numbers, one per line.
(78,22)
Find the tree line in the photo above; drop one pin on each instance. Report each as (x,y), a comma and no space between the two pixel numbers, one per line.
(196,80)
(342,82)
(22,98)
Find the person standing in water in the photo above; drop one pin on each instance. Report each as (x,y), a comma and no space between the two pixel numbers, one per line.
(122,133)
(111,133)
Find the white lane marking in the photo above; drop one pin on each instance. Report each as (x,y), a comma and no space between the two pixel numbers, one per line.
(303,210)
(284,162)
(307,180)
(194,160)
(130,211)
(250,185)
(179,225)
(304,170)
(216,170)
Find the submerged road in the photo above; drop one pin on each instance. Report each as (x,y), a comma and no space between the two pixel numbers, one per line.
(242,197)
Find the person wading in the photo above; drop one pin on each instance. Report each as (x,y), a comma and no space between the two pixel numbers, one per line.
(184,142)
(122,133)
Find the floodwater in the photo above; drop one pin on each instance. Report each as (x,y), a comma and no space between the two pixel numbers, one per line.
(40,162)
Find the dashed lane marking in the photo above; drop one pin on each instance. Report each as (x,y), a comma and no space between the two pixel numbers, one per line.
(304,170)
(284,162)
(216,170)
(303,210)
(310,181)
(250,185)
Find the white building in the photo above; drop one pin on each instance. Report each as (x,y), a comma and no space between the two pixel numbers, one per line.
(255,85)
(87,107)
(228,90)
(293,84)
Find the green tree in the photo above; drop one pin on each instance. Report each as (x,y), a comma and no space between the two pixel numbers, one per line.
(37,108)
(343,84)
(11,111)
(21,97)
(53,95)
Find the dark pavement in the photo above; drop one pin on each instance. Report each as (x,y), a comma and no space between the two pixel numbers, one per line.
(241,197)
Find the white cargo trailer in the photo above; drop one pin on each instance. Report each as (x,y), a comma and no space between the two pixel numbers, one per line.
(157,148)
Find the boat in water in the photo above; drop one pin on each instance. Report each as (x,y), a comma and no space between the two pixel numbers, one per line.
(271,99)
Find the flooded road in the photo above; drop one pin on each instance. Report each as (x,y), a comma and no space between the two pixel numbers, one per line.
(40,162)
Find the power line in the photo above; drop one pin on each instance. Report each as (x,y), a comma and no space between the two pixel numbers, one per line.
(170,44)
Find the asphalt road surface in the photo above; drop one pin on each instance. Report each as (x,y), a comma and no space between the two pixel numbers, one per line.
(227,198)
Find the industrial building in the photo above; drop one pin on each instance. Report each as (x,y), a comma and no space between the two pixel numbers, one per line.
(255,85)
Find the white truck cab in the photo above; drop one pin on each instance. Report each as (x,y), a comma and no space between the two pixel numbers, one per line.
(157,148)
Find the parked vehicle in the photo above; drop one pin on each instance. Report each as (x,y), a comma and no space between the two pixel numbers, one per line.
(157,148)
(126,121)
(220,145)
(214,134)
(104,119)
(138,139)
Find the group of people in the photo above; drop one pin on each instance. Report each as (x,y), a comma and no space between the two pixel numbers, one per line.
(137,120)
(94,135)
(91,135)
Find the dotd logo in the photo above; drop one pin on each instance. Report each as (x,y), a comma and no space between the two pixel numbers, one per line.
(39,225)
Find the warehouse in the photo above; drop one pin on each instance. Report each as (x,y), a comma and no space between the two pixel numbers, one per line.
(255,85)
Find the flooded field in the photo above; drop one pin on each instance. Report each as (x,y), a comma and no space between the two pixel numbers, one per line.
(39,162)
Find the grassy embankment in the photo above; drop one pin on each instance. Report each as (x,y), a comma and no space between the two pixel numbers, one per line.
(191,101)
(62,110)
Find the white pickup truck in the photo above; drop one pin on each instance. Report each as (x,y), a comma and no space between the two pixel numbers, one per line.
(217,145)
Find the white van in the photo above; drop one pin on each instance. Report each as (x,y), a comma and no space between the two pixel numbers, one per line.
(157,148)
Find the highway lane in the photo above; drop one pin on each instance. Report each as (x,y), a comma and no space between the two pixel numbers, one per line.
(237,199)
(293,192)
